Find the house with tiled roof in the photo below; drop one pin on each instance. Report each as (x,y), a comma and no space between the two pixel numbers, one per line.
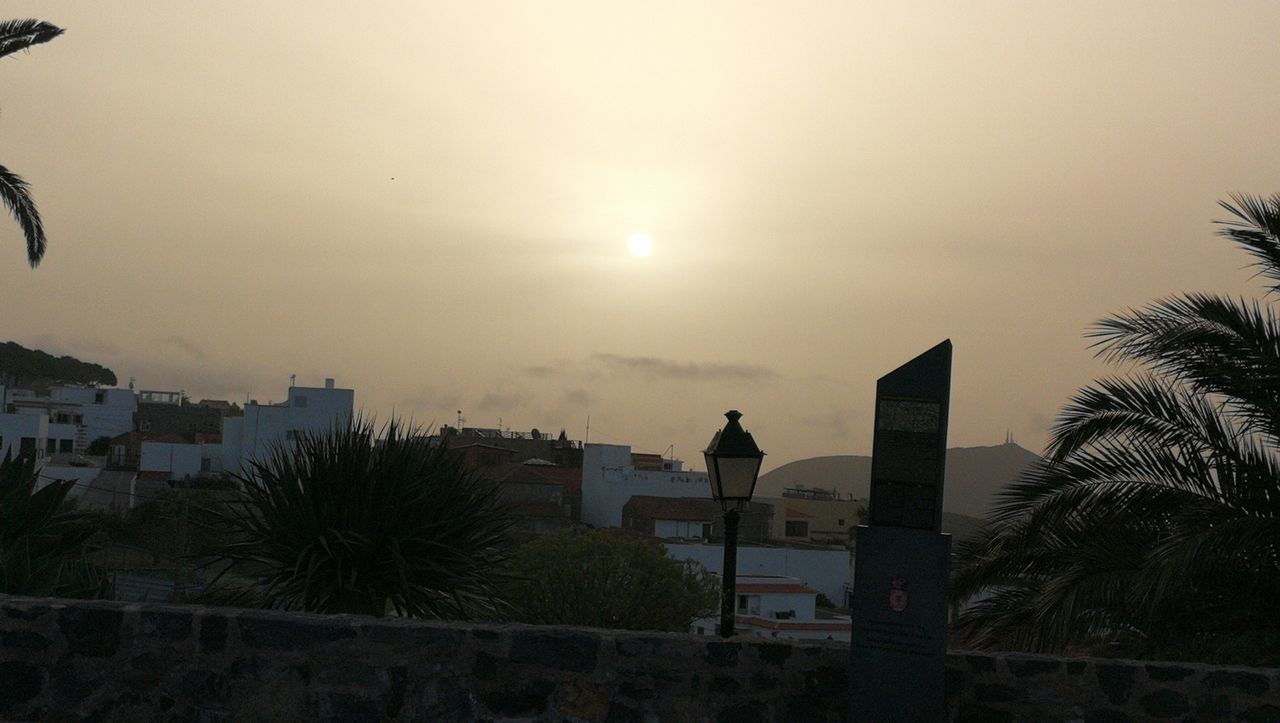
(691,518)
(773,606)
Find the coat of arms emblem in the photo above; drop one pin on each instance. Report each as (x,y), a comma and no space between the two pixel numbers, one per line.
(898,594)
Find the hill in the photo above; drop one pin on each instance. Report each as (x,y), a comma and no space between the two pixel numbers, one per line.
(20,366)
(974,475)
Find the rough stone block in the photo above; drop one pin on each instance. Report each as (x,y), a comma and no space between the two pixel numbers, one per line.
(92,632)
(282,634)
(1116,681)
(23,640)
(573,652)
(213,634)
(1166,673)
(19,683)
(1251,683)
(1164,703)
(165,624)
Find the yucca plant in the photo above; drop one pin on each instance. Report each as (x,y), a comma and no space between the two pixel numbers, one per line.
(43,542)
(18,35)
(1152,526)
(344,522)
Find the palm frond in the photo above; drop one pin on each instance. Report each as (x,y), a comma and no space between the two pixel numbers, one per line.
(17,196)
(18,35)
(1256,227)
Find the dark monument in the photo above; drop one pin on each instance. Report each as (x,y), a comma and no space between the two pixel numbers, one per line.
(903,561)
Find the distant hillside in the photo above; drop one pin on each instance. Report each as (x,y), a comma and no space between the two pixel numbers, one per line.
(974,475)
(20,366)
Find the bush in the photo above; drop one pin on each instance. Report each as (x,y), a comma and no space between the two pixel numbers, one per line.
(341,522)
(607,579)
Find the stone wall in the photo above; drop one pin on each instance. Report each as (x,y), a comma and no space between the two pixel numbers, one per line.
(64,659)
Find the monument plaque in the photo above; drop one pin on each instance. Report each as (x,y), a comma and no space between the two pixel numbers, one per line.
(903,562)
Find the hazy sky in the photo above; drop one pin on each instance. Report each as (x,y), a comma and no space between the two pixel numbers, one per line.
(432,202)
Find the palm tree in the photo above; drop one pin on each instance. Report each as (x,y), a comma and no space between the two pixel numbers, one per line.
(344,522)
(18,35)
(43,543)
(1152,525)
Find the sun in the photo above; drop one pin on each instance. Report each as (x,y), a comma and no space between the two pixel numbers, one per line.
(640,245)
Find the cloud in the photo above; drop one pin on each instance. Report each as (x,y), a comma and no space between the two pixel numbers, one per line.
(190,348)
(834,422)
(668,369)
(576,397)
(500,401)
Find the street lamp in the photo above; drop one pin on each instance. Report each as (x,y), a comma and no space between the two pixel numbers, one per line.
(733,463)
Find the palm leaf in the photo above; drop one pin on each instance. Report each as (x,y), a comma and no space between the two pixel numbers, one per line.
(18,35)
(17,196)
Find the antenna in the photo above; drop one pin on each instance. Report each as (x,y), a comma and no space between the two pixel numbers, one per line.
(587,438)
(293,380)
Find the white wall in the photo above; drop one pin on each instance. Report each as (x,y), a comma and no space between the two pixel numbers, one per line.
(111,418)
(609,480)
(179,460)
(678,528)
(83,476)
(823,570)
(13,427)
(307,409)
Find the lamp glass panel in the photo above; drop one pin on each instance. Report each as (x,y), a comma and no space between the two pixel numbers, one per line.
(712,473)
(738,476)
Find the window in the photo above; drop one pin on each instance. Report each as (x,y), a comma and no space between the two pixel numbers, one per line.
(840,522)
(742,603)
(50,446)
(300,401)
(66,445)
(27,446)
(797,528)
(100,398)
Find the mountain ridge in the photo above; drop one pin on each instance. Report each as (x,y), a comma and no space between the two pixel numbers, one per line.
(973,476)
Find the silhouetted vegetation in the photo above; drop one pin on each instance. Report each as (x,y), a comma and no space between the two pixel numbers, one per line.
(16,35)
(607,579)
(43,541)
(22,366)
(343,524)
(1152,528)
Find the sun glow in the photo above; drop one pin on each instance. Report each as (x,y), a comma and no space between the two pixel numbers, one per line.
(640,245)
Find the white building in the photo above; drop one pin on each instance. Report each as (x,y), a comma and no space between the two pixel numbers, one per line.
(826,570)
(307,409)
(23,433)
(773,606)
(104,412)
(609,479)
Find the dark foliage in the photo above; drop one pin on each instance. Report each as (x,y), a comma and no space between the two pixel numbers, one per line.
(43,543)
(343,522)
(20,365)
(607,579)
(1152,528)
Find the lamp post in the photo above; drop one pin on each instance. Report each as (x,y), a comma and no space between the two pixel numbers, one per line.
(733,463)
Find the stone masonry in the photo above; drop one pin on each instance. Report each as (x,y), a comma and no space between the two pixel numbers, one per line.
(65,659)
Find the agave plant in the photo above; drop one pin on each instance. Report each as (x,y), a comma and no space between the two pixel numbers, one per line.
(18,35)
(43,543)
(344,522)
(1152,526)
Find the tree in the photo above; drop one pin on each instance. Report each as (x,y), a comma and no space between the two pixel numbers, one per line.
(43,542)
(1152,526)
(18,35)
(607,579)
(343,522)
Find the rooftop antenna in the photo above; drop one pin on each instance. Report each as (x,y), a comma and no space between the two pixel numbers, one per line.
(293,380)
(587,437)
(461,419)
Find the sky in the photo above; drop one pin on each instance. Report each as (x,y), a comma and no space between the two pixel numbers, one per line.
(432,202)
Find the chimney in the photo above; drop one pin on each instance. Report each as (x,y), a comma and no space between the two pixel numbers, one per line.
(328,382)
